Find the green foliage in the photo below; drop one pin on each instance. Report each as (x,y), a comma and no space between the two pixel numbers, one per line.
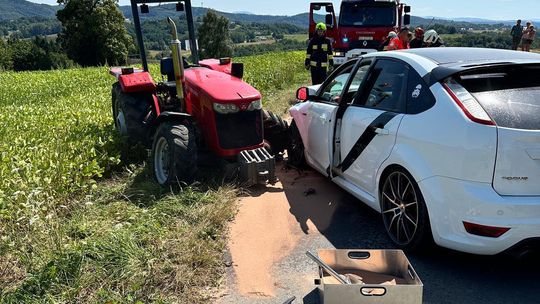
(214,39)
(6,63)
(30,27)
(263,48)
(93,32)
(36,54)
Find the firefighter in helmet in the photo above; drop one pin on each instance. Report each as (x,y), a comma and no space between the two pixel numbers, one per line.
(319,55)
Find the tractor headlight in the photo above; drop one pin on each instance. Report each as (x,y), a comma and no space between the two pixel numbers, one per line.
(225,108)
(255,105)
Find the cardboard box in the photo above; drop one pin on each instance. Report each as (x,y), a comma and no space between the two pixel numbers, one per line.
(380,276)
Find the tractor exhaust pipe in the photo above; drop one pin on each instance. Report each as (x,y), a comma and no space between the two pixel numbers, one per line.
(177,62)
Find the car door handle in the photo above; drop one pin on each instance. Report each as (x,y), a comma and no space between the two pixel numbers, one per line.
(381,131)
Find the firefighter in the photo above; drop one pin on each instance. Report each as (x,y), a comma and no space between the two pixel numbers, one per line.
(384,45)
(319,55)
(418,40)
(432,39)
(401,42)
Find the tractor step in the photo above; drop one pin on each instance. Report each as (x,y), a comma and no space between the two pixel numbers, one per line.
(257,166)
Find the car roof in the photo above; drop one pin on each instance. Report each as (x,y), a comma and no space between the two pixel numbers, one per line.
(451,56)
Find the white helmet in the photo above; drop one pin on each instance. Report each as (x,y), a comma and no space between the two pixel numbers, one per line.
(431,36)
(391,34)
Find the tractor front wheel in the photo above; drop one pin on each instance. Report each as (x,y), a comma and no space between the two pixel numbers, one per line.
(174,153)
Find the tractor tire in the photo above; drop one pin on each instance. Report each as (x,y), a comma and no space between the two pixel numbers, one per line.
(129,112)
(295,148)
(174,153)
(275,132)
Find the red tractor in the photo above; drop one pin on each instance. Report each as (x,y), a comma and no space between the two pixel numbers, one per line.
(201,106)
(362,25)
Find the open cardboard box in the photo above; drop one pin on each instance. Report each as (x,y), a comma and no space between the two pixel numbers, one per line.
(380,276)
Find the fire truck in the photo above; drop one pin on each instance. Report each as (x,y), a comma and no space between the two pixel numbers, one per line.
(362,25)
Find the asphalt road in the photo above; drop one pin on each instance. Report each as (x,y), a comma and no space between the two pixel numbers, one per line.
(331,218)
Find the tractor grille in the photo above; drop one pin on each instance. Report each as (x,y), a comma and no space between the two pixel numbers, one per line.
(239,130)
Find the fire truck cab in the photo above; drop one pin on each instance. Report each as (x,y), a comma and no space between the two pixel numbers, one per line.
(362,25)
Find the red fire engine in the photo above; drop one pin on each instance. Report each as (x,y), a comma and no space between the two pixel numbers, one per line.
(361,26)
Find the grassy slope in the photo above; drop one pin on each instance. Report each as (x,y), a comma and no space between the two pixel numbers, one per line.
(80,223)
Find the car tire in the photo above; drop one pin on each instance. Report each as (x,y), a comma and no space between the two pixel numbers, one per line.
(174,153)
(404,212)
(129,111)
(275,132)
(295,148)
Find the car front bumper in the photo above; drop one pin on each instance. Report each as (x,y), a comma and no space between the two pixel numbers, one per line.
(452,201)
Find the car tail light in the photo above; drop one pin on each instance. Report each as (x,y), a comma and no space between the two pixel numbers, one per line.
(482,230)
(466,102)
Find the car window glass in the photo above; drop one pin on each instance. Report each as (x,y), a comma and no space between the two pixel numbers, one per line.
(333,88)
(387,85)
(356,82)
(419,96)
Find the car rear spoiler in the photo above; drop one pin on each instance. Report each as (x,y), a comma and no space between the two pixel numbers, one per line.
(442,72)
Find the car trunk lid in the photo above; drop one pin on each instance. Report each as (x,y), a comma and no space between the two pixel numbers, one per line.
(510,95)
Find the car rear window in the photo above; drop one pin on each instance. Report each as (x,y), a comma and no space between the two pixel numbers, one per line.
(509,94)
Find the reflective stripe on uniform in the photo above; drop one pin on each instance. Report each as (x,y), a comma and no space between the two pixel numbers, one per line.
(324,64)
(308,56)
(315,47)
(330,57)
(324,47)
(314,63)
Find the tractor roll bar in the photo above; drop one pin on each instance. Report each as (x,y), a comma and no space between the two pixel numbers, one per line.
(138,31)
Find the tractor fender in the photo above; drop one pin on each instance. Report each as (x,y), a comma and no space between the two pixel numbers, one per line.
(170,116)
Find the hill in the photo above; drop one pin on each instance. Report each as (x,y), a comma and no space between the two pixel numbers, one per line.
(14,9)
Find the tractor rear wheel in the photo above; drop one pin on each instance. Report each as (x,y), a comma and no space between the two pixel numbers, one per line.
(129,111)
(275,132)
(295,148)
(174,153)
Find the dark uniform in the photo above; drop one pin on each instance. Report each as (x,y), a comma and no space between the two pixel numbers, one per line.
(416,43)
(319,57)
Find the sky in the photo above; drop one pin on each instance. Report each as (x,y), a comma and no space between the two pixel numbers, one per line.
(485,9)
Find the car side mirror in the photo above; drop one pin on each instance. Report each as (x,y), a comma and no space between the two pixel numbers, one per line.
(302,94)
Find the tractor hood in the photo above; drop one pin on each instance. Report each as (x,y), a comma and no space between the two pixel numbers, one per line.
(219,86)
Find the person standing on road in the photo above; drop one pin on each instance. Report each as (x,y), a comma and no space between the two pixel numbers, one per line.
(401,42)
(418,41)
(319,55)
(384,45)
(528,37)
(432,39)
(517,33)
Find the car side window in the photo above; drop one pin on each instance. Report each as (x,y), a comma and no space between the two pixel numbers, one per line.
(356,82)
(386,86)
(419,96)
(332,89)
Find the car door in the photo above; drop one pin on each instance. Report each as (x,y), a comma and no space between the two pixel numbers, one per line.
(320,115)
(370,124)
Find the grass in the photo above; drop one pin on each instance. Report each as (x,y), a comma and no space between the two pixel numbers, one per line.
(80,222)
(297,37)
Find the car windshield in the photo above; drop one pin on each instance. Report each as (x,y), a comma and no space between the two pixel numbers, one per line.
(357,15)
(510,95)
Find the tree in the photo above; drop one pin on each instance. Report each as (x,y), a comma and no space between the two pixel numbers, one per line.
(5,56)
(94,32)
(214,38)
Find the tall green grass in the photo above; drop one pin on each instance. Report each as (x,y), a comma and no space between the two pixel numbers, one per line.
(77,224)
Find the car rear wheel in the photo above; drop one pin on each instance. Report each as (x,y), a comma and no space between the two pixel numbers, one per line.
(295,148)
(404,211)
(174,154)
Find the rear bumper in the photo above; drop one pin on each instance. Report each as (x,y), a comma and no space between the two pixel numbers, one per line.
(451,201)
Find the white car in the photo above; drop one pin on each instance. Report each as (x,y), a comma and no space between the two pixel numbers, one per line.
(444,142)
